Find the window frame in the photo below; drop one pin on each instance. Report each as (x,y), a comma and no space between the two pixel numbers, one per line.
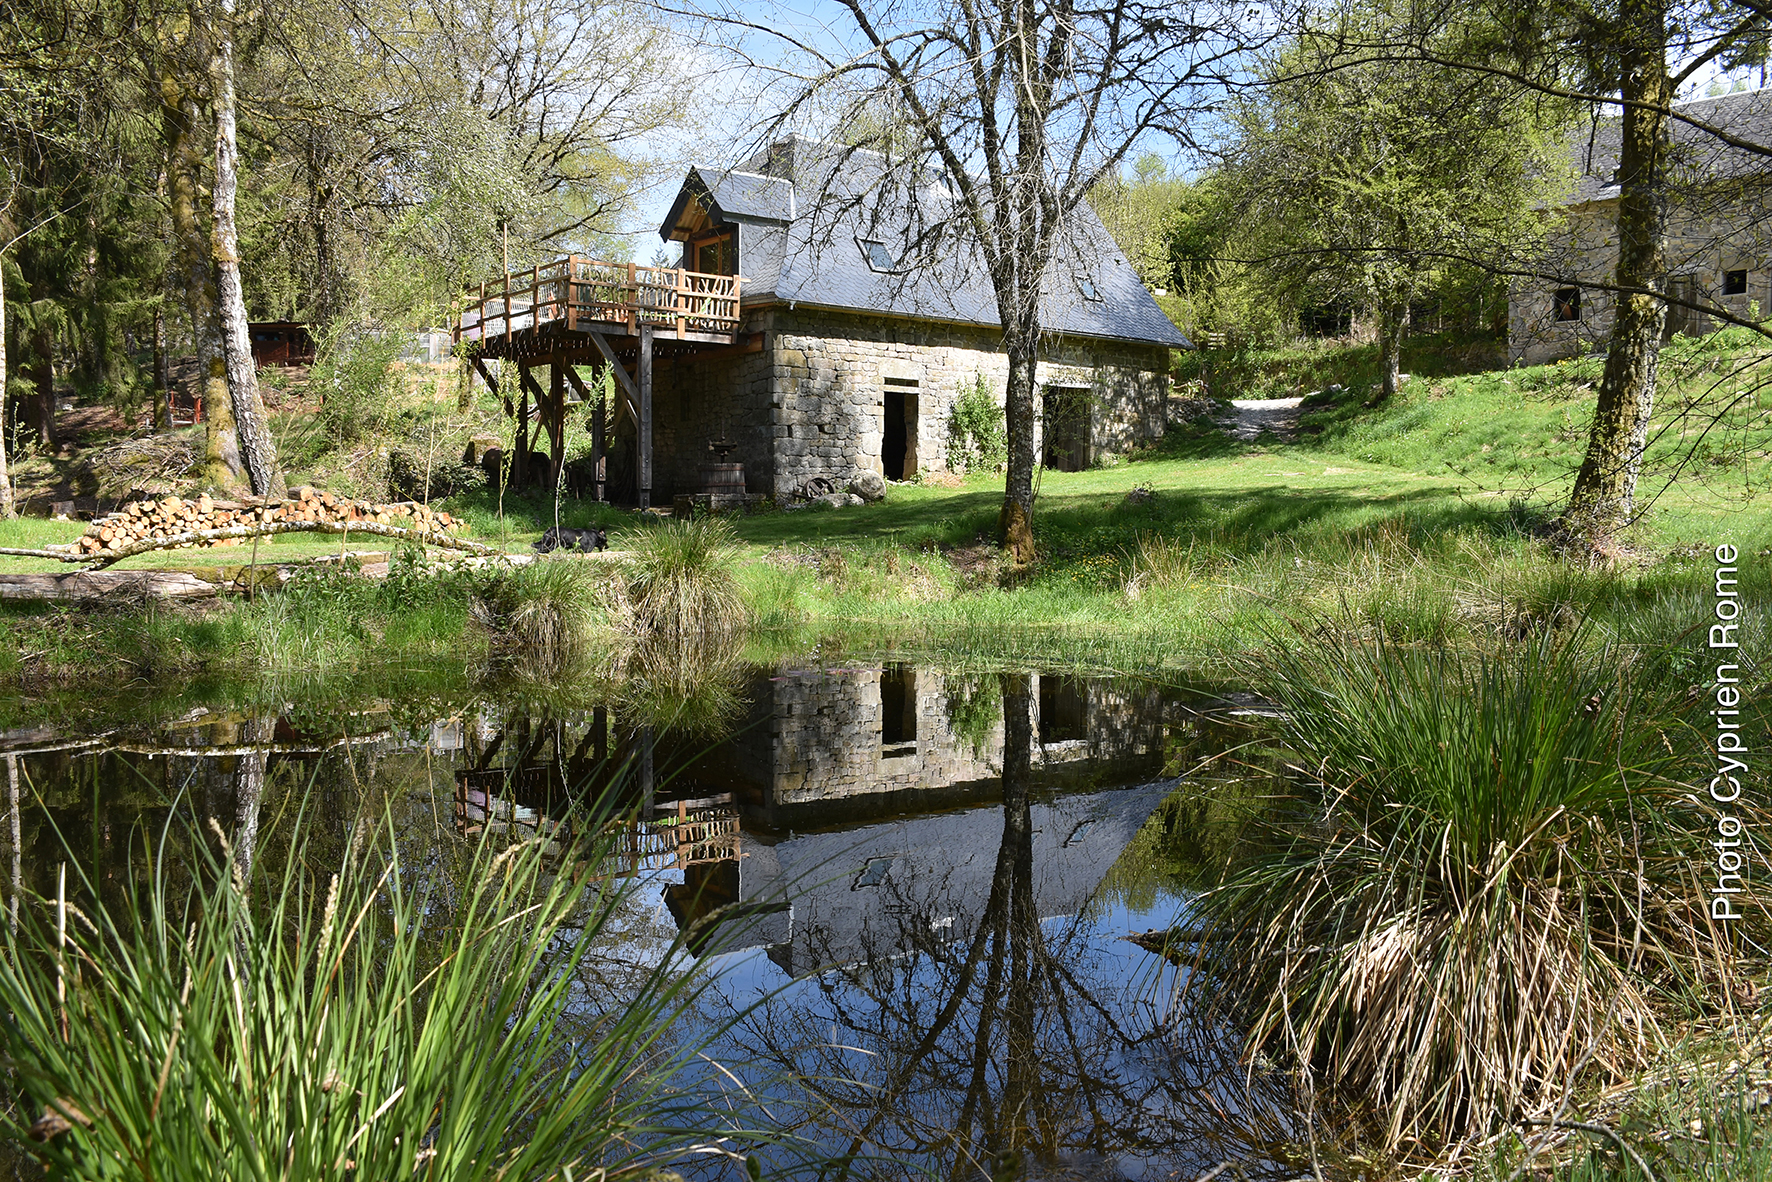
(1566,305)
(1729,280)
(867,246)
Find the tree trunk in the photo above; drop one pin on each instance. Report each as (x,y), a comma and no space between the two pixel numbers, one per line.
(7,509)
(178,123)
(42,373)
(257,447)
(1601,502)
(1015,524)
(1393,322)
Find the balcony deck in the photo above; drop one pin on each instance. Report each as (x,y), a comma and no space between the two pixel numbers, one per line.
(526,313)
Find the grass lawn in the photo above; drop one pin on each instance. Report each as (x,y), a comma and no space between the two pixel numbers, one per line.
(1421,519)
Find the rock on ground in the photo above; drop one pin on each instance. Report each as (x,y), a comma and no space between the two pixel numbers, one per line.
(868,486)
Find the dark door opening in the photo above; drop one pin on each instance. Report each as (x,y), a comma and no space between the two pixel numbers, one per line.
(898,706)
(1065,410)
(892,449)
(1064,715)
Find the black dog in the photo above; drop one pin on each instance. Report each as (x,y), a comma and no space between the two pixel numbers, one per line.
(583,540)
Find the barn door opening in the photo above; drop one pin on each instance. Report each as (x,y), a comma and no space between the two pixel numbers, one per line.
(898,445)
(1065,411)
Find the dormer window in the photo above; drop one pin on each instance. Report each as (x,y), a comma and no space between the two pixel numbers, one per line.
(1086,285)
(879,258)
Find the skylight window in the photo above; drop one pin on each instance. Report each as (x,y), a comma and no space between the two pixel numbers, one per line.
(879,258)
(1086,285)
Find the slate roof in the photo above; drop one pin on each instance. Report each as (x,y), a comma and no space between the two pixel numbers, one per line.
(1696,154)
(801,235)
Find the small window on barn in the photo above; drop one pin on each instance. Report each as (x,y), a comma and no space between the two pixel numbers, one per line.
(1566,303)
(1735,282)
(1086,285)
(879,258)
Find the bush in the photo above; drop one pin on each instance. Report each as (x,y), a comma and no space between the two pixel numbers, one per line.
(541,615)
(355,379)
(681,584)
(447,477)
(977,437)
(1487,888)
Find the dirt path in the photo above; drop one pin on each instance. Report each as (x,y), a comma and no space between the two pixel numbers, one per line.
(1279,416)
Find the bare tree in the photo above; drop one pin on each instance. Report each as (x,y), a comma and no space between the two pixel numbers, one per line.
(994,120)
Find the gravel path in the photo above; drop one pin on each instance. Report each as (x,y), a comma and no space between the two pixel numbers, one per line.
(1255,415)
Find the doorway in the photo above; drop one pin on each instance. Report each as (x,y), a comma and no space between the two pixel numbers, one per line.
(1065,410)
(898,444)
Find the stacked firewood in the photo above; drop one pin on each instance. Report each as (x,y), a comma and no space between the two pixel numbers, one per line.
(144,520)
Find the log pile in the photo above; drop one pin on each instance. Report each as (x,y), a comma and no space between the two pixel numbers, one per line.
(147,521)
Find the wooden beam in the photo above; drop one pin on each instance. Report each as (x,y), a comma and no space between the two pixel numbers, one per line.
(556,420)
(753,343)
(491,382)
(622,375)
(645,433)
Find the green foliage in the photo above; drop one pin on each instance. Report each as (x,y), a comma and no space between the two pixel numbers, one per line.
(974,704)
(447,476)
(978,439)
(540,616)
(1458,915)
(452,1021)
(355,379)
(681,585)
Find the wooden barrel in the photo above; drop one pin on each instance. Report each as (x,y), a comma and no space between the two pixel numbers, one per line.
(723,478)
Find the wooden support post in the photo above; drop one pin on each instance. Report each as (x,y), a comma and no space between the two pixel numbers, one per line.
(520,462)
(633,297)
(556,418)
(645,432)
(491,382)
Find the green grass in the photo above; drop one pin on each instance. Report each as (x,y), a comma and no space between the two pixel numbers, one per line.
(357,1017)
(1476,897)
(1420,519)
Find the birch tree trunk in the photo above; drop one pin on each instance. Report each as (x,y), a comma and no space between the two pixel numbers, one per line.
(178,124)
(1601,502)
(257,448)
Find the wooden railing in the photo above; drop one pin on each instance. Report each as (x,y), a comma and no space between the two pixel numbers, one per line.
(587,294)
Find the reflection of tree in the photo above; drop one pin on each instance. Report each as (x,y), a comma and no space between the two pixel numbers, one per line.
(1019,1046)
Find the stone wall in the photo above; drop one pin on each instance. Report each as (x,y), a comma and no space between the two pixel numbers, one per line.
(831,371)
(695,402)
(1708,235)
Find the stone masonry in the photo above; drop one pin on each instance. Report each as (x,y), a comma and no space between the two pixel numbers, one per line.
(812,402)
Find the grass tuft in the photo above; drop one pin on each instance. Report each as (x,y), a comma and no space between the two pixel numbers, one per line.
(369,1023)
(1486,890)
(682,583)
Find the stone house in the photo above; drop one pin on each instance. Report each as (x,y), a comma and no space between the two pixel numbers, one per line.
(1719,250)
(854,362)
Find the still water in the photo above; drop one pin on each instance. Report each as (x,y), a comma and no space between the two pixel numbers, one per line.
(911,887)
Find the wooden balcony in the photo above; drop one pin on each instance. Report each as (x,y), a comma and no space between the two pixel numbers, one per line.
(578,295)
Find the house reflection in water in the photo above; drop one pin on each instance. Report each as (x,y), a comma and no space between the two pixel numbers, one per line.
(870,796)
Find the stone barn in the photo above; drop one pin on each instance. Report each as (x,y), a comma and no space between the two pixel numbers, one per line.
(1719,249)
(794,342)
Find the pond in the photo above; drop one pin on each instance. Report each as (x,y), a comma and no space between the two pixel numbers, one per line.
(911,887)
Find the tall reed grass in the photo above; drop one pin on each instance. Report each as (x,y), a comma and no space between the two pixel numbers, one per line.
(1486,888)
(368,1022)
(682,584)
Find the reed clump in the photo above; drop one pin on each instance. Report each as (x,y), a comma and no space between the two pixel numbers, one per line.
(1483,889)
(682,585)
(543,614)
(381,1021)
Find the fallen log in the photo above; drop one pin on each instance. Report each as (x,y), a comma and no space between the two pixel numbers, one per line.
(87,585)
(269,528)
